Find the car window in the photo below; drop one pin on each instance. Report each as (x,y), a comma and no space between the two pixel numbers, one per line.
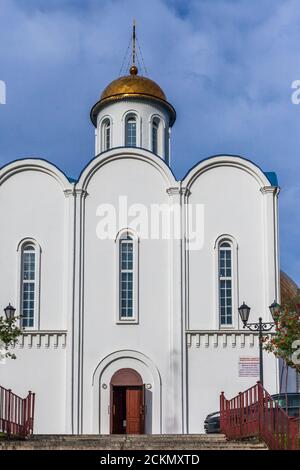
(281,402)
(294,401)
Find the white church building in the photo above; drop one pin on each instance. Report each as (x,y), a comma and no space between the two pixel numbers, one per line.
(128,281)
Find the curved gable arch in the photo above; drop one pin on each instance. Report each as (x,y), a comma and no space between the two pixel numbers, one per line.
(31,164)
(132,153)
(226,161)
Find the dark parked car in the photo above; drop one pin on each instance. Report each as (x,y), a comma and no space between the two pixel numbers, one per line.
(212,423)
(290,402)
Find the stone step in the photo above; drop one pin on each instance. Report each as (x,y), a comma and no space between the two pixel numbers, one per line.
(131,442)
(134,437)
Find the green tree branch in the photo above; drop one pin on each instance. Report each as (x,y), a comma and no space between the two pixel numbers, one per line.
(9,334)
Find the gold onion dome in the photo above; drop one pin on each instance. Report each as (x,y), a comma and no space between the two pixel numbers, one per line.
(132,86)
(288,288)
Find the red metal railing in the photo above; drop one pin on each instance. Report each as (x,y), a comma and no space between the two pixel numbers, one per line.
(255,413)
(16,413)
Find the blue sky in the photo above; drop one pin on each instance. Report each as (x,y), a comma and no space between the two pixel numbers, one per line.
(226,65)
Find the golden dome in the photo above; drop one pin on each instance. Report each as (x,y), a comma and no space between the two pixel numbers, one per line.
(133,84)
(130,87)
(289,289)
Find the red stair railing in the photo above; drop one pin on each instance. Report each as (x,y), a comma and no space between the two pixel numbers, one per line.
(16,413)
(255,413)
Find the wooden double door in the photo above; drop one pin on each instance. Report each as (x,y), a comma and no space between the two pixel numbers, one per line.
(128,410)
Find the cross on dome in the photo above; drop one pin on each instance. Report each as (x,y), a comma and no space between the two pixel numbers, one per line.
(133,86)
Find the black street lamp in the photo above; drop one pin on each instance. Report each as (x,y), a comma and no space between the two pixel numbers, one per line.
(260,327)
(9,312)
(274,309)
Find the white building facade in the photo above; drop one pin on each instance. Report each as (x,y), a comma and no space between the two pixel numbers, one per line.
(126,329)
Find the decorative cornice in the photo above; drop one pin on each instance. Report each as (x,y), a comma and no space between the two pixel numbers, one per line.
(49,339)
(269,189)
(81,193)
(75,192)
(69,192)
(173,191)
(221,339)
(131,96)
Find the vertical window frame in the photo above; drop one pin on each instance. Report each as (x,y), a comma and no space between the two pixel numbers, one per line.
(127,277)
(234,282)
(132,113)
(161,136)
(155,136)
(121,239)
(128,136)
(20,287)
(225,278)
(105,125)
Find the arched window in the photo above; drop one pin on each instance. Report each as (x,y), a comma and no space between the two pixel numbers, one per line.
(225,283)
(127,280)
(155,125)
(106,135)
(130,131)
(127,277)
(28,285)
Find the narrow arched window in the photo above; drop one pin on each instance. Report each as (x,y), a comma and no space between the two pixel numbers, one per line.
(28,285)
(106,135)
(130,132)
(225,283)
(155,125)
(127,278)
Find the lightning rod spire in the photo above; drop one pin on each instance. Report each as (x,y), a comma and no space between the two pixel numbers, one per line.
(133,68)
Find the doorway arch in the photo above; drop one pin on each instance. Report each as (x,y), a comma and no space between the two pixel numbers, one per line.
(101,380)
(126,377)
(127,402)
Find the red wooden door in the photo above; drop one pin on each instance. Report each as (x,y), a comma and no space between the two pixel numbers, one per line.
(135,410)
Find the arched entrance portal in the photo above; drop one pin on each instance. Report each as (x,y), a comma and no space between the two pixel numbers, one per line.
(127,403)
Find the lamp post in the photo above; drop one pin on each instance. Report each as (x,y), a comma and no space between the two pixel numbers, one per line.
(260,327)
(9,313)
